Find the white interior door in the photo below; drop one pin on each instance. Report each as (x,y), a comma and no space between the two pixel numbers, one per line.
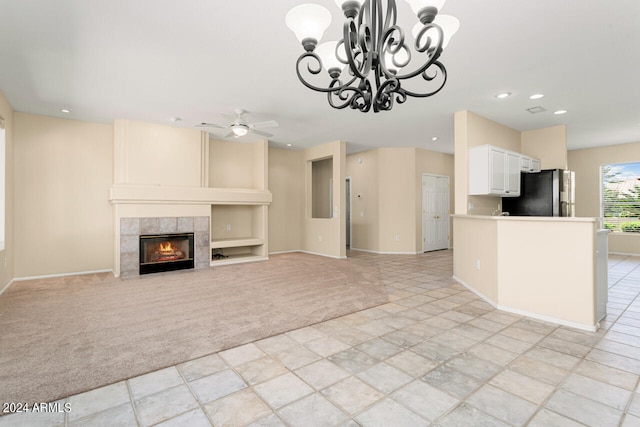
(435,212)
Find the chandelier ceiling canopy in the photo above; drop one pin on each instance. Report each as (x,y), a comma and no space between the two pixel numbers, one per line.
(368,66)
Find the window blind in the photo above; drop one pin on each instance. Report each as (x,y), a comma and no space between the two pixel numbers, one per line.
(621,196)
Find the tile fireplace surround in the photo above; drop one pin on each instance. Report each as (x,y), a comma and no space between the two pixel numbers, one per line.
(132,228)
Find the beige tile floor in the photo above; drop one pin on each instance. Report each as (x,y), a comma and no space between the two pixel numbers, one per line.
(434,355)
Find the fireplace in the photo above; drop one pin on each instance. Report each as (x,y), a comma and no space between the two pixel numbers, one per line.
(166,252)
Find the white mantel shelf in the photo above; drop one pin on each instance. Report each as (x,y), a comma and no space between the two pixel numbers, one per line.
(151,194)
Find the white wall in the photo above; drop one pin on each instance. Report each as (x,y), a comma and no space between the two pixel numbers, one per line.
(326,236)
(63,171)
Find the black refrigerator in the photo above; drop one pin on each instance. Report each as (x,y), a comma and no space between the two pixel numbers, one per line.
(549,192)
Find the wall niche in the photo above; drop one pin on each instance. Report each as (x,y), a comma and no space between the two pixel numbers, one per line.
(322,188)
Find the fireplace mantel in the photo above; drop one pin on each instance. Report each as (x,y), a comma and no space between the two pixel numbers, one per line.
(175,175)
(156,194)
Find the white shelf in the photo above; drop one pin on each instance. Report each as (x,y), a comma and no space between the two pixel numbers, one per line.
(237,259)
(236,242)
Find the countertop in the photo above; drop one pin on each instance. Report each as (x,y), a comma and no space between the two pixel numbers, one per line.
(528,218)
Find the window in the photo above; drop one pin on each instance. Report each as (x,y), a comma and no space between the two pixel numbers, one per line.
(621,196)
(3,190)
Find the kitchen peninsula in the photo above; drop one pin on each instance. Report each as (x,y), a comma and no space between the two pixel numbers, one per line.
(543,267)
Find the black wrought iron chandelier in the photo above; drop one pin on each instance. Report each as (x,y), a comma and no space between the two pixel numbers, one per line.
(375,50)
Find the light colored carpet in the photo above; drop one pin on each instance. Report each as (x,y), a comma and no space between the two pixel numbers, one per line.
(63,336)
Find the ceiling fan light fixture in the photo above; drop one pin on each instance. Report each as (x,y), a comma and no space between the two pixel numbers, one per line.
(239,130)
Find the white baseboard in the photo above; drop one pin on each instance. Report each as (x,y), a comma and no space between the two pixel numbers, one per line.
(7,286)
(284,252)
(537,316)
(385,253)
(623,253)
(51,276)
(307,252)
(324,255)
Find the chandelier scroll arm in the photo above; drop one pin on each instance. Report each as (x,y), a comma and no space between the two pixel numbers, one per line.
(317,71)
(433,53)
(426,77)
(341,93)
(393,45)
(349,45)
(391,15)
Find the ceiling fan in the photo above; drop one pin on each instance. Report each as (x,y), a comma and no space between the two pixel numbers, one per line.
(240,127)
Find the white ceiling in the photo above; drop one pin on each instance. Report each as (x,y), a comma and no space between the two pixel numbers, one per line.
(194,59)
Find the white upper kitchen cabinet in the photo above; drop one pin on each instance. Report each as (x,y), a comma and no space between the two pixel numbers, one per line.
(512,183)
(535,165)
(529,164)
(494,171)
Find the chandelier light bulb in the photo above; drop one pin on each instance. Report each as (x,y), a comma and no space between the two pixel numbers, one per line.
(308,21)
(327,53)
(449,24)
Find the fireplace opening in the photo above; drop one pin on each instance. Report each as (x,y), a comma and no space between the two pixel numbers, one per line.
(166,252)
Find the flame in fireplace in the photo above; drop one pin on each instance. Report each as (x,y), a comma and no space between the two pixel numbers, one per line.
(166,248)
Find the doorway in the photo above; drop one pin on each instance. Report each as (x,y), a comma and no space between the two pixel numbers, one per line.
(435,212)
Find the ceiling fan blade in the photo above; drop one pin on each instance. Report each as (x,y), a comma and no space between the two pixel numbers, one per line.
(257,132)
(267,124)
(211,125)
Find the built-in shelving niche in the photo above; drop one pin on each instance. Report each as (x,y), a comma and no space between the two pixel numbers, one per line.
(238,233)
(239,226)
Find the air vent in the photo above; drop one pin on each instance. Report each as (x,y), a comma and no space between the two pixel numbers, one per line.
(535,110)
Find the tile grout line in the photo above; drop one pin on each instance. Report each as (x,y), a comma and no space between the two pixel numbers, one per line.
(132,403)
(583,358)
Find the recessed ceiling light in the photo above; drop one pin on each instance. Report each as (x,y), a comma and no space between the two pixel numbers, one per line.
(175,119)
(560,112)
(503,95)
(536,96)
(434,139)
(289,145)
(64,110)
